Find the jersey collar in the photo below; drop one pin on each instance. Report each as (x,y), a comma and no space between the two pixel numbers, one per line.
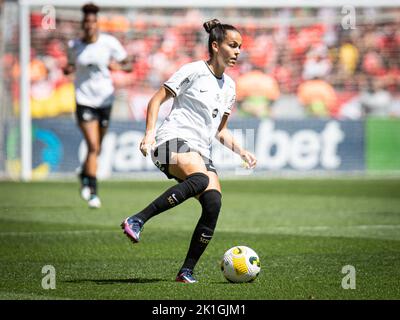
(219,78)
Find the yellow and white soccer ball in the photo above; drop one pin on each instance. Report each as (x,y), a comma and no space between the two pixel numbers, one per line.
(240,264)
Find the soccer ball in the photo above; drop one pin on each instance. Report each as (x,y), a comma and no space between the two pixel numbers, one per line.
(240,264)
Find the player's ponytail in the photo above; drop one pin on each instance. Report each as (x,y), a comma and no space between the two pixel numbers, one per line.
(217,32)
(211,24)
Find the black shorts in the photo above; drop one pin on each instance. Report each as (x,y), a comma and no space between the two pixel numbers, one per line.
(85,114)
(161,156)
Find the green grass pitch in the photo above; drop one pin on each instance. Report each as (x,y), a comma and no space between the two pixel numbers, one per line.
(305,232)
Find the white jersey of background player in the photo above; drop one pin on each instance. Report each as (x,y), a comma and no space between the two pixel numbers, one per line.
(93,83)
(200,100)
(91,57)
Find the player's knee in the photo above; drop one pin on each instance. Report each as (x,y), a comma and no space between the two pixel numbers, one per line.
(197,183)
(211,202)
(93,148)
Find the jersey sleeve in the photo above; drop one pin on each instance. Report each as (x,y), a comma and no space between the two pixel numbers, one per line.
(180,80)
(117,50)
(231,100)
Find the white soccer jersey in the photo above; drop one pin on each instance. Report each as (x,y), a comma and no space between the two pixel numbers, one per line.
(93,84)
(200,101)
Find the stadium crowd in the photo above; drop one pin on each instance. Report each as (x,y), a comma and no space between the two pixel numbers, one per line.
(295,63)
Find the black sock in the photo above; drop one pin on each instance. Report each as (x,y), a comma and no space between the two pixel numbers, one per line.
(84,179)
(177,194)
(202,235)
(92,184)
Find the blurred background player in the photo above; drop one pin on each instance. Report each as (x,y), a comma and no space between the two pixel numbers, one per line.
(203,98)
(92,57)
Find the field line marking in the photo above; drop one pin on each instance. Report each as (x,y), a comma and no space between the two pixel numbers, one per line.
(63,232)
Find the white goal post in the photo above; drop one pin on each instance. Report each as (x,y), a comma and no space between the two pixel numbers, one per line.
(25,50)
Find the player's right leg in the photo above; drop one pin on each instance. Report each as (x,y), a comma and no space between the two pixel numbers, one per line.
(190,170)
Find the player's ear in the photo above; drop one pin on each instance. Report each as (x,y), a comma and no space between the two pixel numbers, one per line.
(215,46)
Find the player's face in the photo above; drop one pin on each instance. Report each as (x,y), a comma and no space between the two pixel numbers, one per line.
(89,25)
(229,49)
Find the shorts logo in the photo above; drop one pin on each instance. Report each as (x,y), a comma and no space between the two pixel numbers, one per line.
(158,165)
(87,116)
(215,113)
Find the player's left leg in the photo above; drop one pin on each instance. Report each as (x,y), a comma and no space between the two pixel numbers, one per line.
(103,118)
(210,201)
(90,131)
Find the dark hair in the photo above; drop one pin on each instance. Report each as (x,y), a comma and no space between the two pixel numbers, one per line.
(217,31)
(90,8)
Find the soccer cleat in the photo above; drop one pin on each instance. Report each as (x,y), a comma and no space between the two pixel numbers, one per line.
(94,202)
(186,276)
(132,228)
(85,193)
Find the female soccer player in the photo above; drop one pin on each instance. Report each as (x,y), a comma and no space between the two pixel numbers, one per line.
(203,99)
(91,58)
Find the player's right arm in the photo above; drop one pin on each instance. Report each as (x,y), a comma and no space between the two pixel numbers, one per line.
(173,87)
(70,68)
(153,108)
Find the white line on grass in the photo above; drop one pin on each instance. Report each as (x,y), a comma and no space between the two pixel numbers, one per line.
(52,233)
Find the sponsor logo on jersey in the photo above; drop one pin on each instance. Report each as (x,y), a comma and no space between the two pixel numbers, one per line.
(215,113)
(186,80)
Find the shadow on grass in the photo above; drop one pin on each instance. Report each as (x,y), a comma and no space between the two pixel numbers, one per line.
(115,281)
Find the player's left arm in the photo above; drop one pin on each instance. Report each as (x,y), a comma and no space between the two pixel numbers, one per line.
(124,65)
(225,137)
(120,61)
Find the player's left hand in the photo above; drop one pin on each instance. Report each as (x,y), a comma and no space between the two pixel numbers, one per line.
(114,66)
(249,159)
